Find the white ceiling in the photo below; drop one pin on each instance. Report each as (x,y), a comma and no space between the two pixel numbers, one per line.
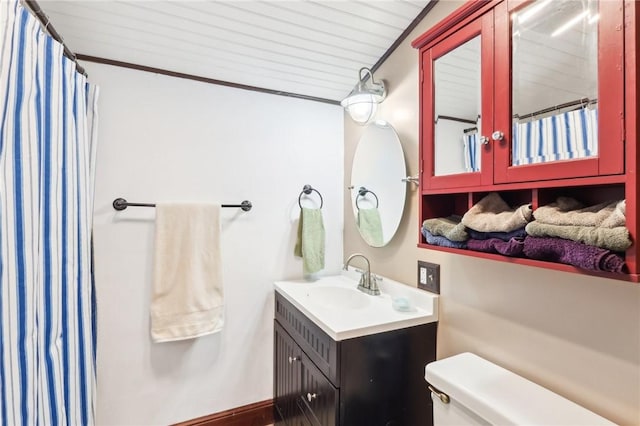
(309,48)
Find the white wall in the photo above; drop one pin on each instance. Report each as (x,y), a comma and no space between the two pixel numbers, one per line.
(166,139)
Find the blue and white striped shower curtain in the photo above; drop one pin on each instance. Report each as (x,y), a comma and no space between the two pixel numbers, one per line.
(47,153)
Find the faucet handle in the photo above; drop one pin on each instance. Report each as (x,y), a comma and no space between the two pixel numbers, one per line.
(373,285)
(363,281)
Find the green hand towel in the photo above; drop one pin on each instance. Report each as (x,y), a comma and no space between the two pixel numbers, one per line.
(370,227)
(310,242)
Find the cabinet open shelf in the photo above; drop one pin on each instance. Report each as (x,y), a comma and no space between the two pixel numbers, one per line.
(444,205)
(635,278)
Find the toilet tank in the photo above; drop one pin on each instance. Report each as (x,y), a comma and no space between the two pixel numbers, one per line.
(483,393)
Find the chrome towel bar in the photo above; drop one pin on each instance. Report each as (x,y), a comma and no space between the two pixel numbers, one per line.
(121,204)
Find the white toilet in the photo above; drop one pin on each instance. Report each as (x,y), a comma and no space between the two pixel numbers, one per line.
(469,390)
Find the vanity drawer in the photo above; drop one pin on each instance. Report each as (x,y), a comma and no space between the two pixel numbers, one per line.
(317,345)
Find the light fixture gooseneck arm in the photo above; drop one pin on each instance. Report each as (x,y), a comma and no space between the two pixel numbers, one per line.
(362,102)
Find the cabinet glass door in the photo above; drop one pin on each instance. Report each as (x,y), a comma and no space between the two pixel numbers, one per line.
(457,105)
(554,81)
(557,73)
(457,110)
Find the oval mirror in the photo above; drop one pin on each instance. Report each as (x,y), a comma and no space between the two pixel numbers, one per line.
(377,190)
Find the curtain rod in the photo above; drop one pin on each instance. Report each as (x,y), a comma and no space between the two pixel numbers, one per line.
(450,118)
(48,27)
(582,102)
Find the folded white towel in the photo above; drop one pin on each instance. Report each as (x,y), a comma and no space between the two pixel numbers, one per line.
(187,296)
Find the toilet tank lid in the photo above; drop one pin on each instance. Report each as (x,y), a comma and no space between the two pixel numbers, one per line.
(501,397)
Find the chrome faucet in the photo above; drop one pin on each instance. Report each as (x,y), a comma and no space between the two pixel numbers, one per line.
(368,282)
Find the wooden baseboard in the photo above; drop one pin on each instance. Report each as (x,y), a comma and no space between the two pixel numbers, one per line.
(256,414)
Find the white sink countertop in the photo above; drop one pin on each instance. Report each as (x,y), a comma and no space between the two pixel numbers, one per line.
(343,312)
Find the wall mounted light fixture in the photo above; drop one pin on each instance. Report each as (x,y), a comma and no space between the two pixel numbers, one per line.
(362,102)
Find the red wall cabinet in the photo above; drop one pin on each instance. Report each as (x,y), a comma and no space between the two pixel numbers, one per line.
(531,99)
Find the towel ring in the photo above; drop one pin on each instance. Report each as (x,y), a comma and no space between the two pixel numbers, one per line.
(362,192)
(307,189)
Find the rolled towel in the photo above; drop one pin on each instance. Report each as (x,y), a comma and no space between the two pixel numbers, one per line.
(618,217)
(513,247)
(504,236)
(492,214)
(573,253)
(567,211)
(438,240)
(448,227)
(616,239)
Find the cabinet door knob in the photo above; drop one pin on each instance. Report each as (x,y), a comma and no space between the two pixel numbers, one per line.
(497,135)
(311,396)
(484,140)
(293,358)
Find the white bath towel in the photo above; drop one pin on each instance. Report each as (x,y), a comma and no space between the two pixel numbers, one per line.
(187,295)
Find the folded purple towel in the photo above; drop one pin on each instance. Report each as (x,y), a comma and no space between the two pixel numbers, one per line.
(441,241)
(573,253)
(504,236)
(513,247)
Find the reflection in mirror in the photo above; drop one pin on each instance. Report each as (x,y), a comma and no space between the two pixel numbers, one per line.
(368,219)
(457,110)
(554,81)
(377,191)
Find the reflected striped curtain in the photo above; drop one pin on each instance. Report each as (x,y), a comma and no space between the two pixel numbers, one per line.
(472,151)
(572,134)
(47,151)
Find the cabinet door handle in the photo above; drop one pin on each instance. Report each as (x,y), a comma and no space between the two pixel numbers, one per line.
(311,396)
(293,358)
(497,135)
(484,140)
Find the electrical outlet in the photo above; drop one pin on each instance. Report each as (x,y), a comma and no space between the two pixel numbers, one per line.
(429,276)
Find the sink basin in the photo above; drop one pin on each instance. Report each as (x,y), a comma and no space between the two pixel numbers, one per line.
(339,298)
(335,305)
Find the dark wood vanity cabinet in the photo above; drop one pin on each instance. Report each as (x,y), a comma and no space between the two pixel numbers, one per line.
(303,395)
(370,380)
(534,100)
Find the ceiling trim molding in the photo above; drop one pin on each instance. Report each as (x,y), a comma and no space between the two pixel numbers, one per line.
(201,79)
(404,34)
